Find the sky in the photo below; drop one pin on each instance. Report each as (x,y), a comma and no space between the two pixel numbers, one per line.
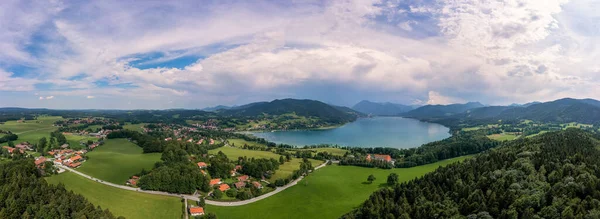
(125,54)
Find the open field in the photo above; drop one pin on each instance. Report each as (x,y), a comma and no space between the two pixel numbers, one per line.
(31,130)
(117,160)
(334,151)
(541,132)
(503,137)
(471,128)
(328,193)
(74,140)
(577,125)
(240,142)
(286,169)
(233,153)
(121,202)
(135,127)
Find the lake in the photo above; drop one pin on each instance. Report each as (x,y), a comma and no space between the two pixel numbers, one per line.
(393,132)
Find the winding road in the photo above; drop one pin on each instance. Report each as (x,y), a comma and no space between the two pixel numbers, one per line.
(190,197)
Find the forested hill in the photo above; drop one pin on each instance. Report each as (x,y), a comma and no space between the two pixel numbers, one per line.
(381,109)
(436,111)
(554,175)
(306,108)
(564,110)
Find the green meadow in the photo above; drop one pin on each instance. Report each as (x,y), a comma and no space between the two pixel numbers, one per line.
(117,160)
(329,192)
(31,130)
(135,127)
(503,137)
(236,142)
(131,205)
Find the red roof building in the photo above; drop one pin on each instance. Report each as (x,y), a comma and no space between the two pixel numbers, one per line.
(224,187)
(40,160)
(257,185)
(382,157)
(202,165)
(9,149)
(75,158)
(215,181)
(243,178)
(239,185)
(196,211)
(74,164)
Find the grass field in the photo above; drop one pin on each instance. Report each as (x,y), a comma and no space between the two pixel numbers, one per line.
(327,193)
(117,160)
(240,142)
(121,202)
(334,151)
(541,132)
(471,129)
(503,137)
(74,140)
(233,153)
(32,130)
(286,169)
(135,127)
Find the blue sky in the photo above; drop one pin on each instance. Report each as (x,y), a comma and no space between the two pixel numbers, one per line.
(194,54)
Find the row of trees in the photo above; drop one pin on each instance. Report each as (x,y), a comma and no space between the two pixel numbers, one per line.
(554,175)
(260,167)
(8,137)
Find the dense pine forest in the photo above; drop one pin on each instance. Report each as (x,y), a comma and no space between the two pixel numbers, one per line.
(25,194)
(554,175)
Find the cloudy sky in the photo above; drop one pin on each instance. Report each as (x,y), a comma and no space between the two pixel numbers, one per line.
(178,54)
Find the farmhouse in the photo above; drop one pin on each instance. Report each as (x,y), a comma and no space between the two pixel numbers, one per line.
(9,149)
(216,181)
(133,181)
(23,146)
(243,178)
(224,187)
(75,158)
(381,157)
(202,165)
(196,211)
(257,185)
(74,164)
(239,185)
(39,161)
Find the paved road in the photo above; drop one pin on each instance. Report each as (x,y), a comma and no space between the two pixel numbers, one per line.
(195,198)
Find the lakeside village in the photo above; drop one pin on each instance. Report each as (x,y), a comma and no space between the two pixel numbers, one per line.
(95,131)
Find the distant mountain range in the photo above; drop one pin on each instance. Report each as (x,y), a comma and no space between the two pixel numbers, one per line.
(306,108)
(436,111)
(381,109)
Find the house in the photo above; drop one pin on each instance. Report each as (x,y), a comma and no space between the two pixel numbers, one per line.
(51,153)
(238,167)
(168,139)
(9,149)
(381,157)
(243,178)
(74,164)
(203,172)
(202,165)
(190,140)
(133,181)
(216,181)
(239,185)
(23,147)
(64,146)
(257,185)
(224,187)
(196,211)
(75,158)
(39,161)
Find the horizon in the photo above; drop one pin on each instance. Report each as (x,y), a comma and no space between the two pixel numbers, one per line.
(161,55)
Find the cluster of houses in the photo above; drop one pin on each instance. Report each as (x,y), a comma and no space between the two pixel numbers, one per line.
(68,157)
(21,148)
(191,140)
(241,180)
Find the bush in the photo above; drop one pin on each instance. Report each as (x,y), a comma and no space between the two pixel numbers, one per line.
(231,193)
(217,194)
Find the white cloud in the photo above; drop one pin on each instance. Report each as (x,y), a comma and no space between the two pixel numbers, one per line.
(90,97)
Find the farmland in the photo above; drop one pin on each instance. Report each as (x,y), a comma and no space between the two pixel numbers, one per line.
(129,204)
(117,160)
(327,193)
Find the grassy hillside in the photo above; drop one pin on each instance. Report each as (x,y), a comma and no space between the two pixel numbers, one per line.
(31,130)
(131,205)
(117,160)
(327,193)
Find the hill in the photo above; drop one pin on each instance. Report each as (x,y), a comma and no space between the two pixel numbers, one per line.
(436,111)
(216,108)
(381,109)
(304,108)
(550,176)
(585,111)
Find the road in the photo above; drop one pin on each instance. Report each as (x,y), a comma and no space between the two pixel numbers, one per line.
(195,198)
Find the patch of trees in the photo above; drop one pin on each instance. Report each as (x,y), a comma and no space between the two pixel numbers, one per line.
(148,143)
(8,137)
(362,162)
(25,194)
(258,168)
(112,127)
(554,175)
(179,177)
(220,166)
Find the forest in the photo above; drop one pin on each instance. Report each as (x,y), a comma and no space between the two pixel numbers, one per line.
(25,194)
(554,175)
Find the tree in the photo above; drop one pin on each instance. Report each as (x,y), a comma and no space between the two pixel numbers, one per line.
(231,193)
(392,179)
(371,178)
(201,202)
(217,194)
(42,143)
(281,160)
(11,144)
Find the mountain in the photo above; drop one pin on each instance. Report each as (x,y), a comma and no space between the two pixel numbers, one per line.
(306,108)
(217,108)
(561,111)
(381,109)
(485,112)
(349,110)
(436,111)
(549,176)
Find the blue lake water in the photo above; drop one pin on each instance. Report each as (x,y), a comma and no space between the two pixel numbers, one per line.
(393,132)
